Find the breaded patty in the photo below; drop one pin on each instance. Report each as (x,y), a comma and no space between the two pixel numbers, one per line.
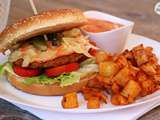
(75,57)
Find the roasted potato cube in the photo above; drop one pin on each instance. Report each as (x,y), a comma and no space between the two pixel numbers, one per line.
(108,68)
(115,88)
(153,59)
(101,96)
(105,80)
(121,78)
(140,55)
(128,54)
(141,76)
(121,61)
(70,100)
(148,51)
(148,87)
(114,100)
(149,69)
(130,99)
(95,83)
(158,69)
(93,103)
(132,89)
(157,79)
(101,56)
(118,99)
(87,96)
(93,92)
(133,70)
(90,90)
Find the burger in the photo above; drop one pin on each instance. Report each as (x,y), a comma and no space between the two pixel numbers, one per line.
(49,54)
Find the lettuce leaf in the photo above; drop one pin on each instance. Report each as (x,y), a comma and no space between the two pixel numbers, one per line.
(63,80)
(6,67)
(68,79)
(2,70)
(41,79)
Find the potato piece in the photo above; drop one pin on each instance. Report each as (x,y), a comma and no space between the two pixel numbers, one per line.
(93,92)
(118,99)
(102,56)
(122,77)
(114,100)
(90,90)
(153,59)
(105,80)
(115,88)
(140,55)
(93,103)
(108,68)
(101,96)
(148,51)
(149,69)
(70,100)
(121,61)
(95,83)
(158,69)
(132,89)
(128,54)
(87,96)
(148,87)
(141,76)
(133,70)
(130,99)
(157,79)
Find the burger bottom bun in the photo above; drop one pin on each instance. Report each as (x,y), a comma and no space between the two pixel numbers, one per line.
(48,90)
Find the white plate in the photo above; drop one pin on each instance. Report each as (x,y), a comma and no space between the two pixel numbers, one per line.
(54,103)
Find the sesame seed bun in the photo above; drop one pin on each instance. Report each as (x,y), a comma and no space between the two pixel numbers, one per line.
(45,22)
(48,90)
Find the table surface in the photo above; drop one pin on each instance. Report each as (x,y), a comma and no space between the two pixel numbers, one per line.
(147,22)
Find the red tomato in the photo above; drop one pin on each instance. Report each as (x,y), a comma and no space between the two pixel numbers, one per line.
(25,72)
(93,52)
(50,72)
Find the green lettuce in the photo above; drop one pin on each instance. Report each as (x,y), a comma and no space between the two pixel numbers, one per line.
(41,79)
(6,67)
(68,79)
(63,80)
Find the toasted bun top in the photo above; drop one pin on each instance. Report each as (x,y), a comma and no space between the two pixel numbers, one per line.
(45,22)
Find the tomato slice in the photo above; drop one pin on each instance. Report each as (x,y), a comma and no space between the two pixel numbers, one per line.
(25,72)
(50,72)
(93,52)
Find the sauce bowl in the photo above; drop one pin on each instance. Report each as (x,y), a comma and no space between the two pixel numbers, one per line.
(112,41)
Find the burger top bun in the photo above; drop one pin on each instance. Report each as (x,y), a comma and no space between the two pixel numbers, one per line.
(45,22)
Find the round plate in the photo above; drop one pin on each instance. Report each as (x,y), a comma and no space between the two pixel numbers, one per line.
(53,103)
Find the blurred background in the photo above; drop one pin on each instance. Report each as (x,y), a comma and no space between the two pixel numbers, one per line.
(147,22)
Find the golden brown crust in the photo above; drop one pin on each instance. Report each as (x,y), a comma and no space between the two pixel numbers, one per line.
(45,22)
(48,90)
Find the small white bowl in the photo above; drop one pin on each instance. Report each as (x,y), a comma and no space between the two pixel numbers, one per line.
(112,41)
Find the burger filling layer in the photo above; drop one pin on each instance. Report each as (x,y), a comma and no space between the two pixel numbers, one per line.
(64,58)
